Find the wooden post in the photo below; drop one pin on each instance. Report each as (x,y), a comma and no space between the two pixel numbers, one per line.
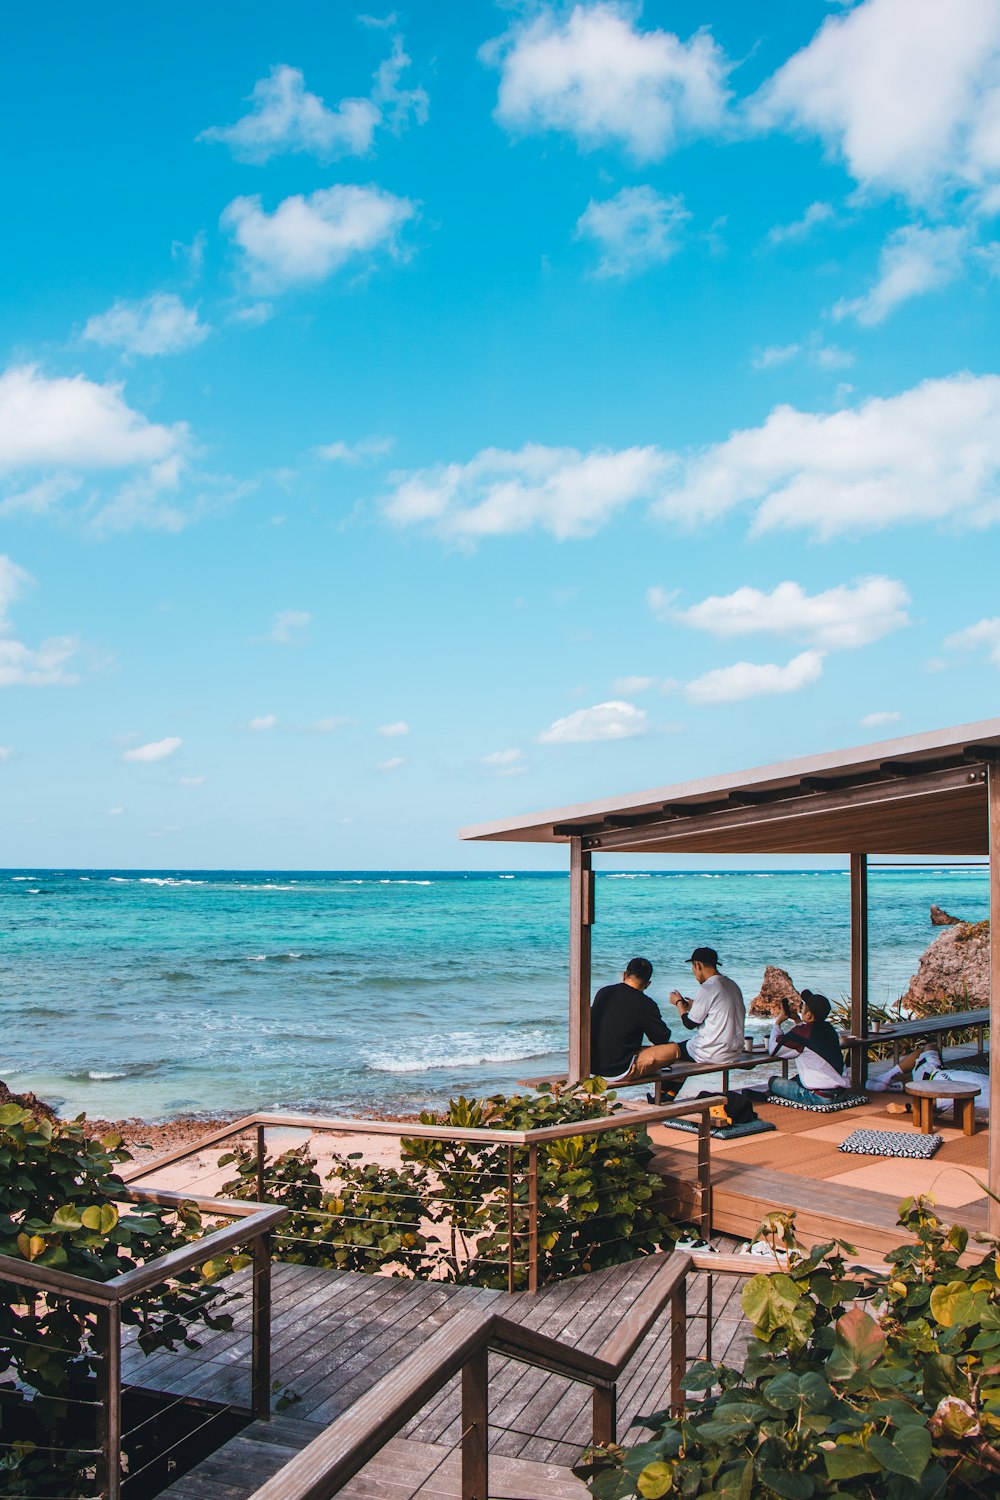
(859,966)
(993,1170)
(260,1378)
(532,1218)
(109,1416)
(581,919)
(678,1348)
(475,1426)
(604,1412)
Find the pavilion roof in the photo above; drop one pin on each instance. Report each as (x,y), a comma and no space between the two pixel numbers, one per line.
(925,794)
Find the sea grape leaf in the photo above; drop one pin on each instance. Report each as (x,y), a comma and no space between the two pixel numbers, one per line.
(953,1305)
(907,1452)
(770,1301)
(846,1461)
(860,1344)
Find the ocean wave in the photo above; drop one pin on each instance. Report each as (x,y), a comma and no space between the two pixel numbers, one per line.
(263,958)
(460,1050)
(167,880)
(638,875)
(406,882)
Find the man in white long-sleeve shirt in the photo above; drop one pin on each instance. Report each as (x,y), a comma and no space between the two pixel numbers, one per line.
(822,1077)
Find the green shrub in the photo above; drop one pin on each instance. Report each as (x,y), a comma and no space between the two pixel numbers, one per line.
(59,1207)
(598,1202)
(893,1403)
(369,1220)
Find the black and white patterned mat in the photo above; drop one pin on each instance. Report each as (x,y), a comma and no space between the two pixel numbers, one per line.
(891,1143)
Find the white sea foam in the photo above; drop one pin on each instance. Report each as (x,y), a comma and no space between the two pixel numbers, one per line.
(97,1077)
(508,877)
(461,1049)
(20,877)
(166,880)
(119,880)
(637,875)
(406,882)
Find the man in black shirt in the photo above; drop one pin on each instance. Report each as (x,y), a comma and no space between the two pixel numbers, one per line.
(621,1015)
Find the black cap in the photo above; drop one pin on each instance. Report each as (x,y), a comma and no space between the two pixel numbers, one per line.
(818,1004)
(704,956)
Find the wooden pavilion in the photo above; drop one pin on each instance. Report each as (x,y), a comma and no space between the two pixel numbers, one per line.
(932,794)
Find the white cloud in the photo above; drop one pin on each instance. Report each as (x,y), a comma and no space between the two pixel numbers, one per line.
(561,490)
(6,751)
(882,716)
(914,260)
(774,354)
(363,452)
(330,724)
(505,762)
(816,213)
(394,731)
(626,686)
(71,422)
(635,229)
(255,314)
(155,750)
(846,616)
(262,723)
(114,812)
(191,780)
(160,324)
(285,117)
(38,499)
(984,633)
(594,75)
(27,666)
(287,622)
(904,91)
(392,764)
(746,679)
(309,238)
(615,720)
(929,453)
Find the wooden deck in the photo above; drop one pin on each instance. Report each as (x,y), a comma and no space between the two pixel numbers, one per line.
(834,1195)
(335,1334)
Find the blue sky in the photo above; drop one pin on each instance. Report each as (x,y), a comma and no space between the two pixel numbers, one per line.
(413,418)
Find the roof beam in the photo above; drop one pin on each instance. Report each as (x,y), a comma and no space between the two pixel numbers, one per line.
(793,808)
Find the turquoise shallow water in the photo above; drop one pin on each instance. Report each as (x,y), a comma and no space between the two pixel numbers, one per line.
(159,993)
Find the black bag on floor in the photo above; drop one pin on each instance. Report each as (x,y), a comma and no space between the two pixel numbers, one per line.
(739,1108)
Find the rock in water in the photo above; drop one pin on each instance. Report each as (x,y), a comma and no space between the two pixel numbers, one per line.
(775,986)
(941,918)
(954,971)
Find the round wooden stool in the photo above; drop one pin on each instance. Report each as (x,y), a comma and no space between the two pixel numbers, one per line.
(924,1096)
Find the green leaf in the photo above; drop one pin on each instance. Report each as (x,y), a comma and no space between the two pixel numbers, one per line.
(860,1345)
(770,1301)
(67,1218)
(655,1480)
(908,1452)
(953,1305)
(845,1461)
(100,1218)
(788,1483)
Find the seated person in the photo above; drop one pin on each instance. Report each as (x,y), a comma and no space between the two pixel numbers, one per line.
(925,1066)
(621,1015)
(813,1042)
(716,1016)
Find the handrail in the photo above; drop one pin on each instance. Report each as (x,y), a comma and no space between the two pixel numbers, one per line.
(414,1130)
(343,1448)
(254,1223)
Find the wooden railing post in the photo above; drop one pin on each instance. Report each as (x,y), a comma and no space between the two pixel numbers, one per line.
(260,1377)
(678,1347)
(511,1230)
(705,1171)
(261,1159)
(859,966)
(581,919)
(476,1426)
(532,1218)
(109,1385)
(605,1414)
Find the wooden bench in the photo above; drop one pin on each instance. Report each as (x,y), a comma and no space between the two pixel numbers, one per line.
(924,1026)
(674,1073)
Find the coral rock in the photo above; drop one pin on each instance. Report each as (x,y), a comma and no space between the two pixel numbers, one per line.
(38,1107)
(941,918)
(954,972)
(775,986)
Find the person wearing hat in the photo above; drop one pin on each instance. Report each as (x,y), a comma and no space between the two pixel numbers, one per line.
(813,1042)
(716,1016)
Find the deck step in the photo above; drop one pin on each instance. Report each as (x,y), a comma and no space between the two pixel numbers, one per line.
(404,1470)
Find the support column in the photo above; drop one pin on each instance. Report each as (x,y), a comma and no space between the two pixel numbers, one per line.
(581,919)
(993,1169)
(859,965)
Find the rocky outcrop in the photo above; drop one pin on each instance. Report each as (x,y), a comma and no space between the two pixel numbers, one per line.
(38,1107)
(954,972)
(775,987)
(941,918)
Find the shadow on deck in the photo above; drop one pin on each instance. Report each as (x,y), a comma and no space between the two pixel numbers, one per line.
(335,1334)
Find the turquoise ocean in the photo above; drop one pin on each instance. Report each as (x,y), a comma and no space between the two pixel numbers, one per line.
(160,993)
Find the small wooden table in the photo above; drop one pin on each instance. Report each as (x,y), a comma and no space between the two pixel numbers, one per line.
(924,1096)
